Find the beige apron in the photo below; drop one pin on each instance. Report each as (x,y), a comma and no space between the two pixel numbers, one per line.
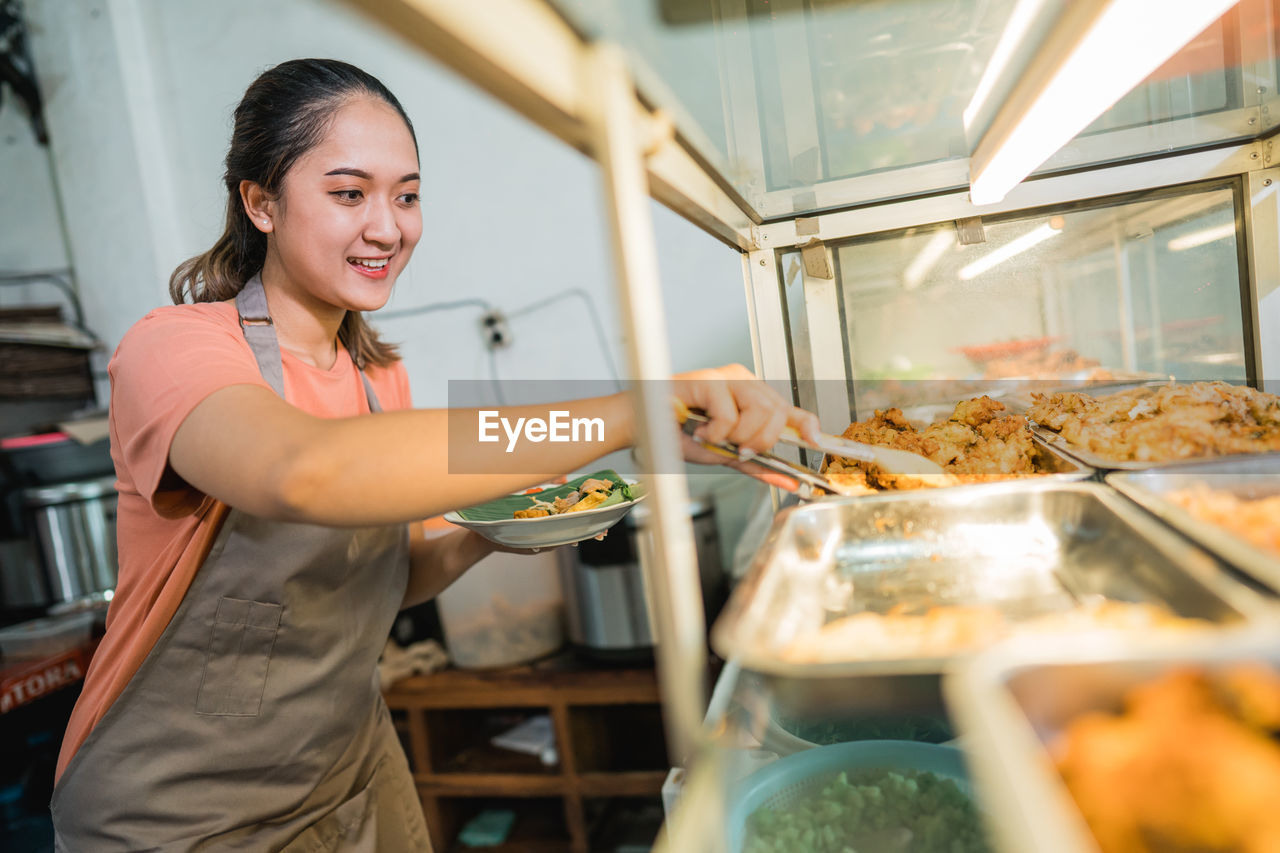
(256,722)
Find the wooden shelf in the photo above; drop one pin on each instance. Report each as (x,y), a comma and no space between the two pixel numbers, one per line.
(492,784)
(609,739)
(637,783)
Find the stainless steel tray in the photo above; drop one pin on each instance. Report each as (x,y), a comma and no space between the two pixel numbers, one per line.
(1103,463)
(1248,477)
(1027,548)
(1064,469)
(1010,702)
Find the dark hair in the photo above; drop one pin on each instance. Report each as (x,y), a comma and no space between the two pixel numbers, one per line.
(283,114)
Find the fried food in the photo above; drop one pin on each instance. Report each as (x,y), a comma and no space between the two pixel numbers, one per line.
(1054,364)
(591,494)
(1257,521)
(1170,422)
(595,485)
(946,630)
(977,443)
(1190,765)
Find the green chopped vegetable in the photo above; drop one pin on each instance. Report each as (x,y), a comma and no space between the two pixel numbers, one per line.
(874,811)
(917,727)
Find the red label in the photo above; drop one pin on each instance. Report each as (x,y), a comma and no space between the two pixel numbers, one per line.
(20,686)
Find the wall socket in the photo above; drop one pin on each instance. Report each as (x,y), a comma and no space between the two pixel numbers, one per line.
(495,331)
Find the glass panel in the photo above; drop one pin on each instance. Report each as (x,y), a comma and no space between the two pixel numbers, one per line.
(892,93)
(1145,286)
(864,101)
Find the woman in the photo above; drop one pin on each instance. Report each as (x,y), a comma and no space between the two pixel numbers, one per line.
(269,468)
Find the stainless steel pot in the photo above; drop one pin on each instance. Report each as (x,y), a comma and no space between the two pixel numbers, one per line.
(605,599)
(73,527)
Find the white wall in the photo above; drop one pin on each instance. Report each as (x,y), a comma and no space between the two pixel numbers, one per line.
(30,228)
(140,96)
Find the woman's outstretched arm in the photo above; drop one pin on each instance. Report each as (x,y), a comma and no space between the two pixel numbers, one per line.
(250,449)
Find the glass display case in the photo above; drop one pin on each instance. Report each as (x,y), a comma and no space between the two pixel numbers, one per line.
(1147,285)
(835,145)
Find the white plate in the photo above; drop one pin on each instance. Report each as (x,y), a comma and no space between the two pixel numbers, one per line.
(548,532)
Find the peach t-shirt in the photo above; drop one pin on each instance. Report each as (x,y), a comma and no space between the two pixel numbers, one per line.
(169,362)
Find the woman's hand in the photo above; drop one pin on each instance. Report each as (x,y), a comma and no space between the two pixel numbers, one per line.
(743,410)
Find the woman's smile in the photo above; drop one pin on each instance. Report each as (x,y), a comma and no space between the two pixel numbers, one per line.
(371,267)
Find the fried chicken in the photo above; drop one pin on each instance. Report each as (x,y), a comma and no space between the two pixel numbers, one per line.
(1184,768)
(1257,521)
(976,443)
(1170,422)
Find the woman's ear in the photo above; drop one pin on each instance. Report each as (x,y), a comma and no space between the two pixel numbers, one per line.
(258,206)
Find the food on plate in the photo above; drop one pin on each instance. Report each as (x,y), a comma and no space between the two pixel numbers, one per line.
(1191,763)
(888,811)
(977,443)
(951,629)
(1156,424)
(1256,520)
(590,495)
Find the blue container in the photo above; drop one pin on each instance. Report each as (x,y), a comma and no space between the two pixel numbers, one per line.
(804,774)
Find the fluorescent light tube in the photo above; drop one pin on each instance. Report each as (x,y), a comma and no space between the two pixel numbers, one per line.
(1101,50)
(928,258)
(1199,238)
(1007,251)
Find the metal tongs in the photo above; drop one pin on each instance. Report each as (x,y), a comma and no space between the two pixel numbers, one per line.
(902,464)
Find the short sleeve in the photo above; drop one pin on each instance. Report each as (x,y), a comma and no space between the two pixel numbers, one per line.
(391,384)
(165,366)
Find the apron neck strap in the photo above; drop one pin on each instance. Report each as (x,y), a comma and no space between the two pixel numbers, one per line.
(260,333)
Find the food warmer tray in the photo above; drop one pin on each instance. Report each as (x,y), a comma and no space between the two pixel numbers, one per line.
(1011,701)
(1026,548)
(1102,463)
(1248,477)
(1066,469)
(1018,401)
(1052,439)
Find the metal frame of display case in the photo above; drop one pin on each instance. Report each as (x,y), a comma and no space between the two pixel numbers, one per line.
(526,55)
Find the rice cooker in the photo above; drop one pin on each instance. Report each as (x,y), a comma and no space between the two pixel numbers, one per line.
(605,597)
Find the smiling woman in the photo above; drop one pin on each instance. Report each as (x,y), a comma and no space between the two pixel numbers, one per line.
(268,494)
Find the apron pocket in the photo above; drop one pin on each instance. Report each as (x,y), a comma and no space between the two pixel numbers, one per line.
(235,664)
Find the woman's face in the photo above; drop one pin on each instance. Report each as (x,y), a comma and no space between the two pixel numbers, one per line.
(347,219)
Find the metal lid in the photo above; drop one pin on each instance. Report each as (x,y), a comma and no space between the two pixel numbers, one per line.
(79,490)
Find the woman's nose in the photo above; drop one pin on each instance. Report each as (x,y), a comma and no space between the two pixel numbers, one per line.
(380,226)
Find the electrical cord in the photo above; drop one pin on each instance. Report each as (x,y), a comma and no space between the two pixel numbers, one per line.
(596,325)
(531,308)
(433,307)
(449,306)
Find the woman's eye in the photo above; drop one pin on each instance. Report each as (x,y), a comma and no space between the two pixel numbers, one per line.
(409,198)
(346,195)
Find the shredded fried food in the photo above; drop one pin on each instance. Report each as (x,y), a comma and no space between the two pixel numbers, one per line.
(1257,520)
(589,495)
(946,630)
(1170,422)
(1191,764)
(975,444)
